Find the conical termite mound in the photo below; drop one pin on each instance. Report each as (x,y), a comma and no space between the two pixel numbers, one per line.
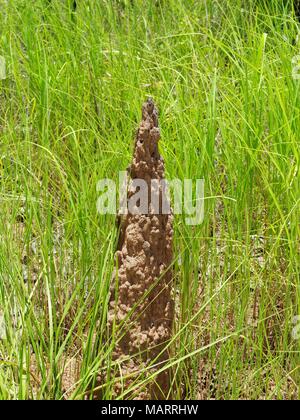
(141,309)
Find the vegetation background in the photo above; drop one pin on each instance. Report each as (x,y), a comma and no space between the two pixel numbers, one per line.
(221,75)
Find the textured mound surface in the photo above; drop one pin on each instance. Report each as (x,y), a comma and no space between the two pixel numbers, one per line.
(142,309)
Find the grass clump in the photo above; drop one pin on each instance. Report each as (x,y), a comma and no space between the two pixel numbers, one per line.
(221,74)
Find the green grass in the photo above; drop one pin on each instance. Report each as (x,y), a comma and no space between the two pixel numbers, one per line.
(221,75)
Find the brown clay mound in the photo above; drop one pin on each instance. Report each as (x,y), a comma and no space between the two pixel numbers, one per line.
(141,308)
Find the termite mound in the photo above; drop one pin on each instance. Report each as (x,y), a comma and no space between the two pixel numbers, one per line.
(141,308)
